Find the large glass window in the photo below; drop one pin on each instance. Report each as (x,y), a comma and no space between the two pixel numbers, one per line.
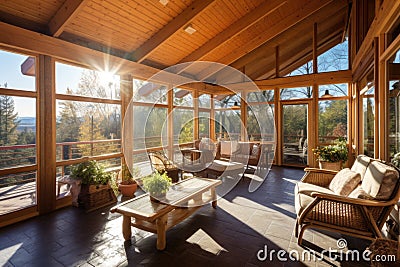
(368,104)
(84,82)
(260,122)
(334,59)
(18,132)
(296,93)
(149,127)
(393,67)
(183,126)
(148,92)
(332,120)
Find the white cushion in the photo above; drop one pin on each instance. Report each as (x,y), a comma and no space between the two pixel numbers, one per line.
(344,182)
(360,165)
(379,180)
(303,195)
(221,166)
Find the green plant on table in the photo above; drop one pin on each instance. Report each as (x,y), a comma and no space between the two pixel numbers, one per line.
(157,184)
(90,173)
(332,153)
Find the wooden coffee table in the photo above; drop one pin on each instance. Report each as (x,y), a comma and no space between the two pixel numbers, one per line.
(181,201)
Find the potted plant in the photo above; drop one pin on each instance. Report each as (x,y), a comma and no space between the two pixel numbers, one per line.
(157,185)
(396,160)
(90,173)
(95,189)
(332,157)
(127,185)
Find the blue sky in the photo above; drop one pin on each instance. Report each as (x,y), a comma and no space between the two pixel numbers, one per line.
(10,72)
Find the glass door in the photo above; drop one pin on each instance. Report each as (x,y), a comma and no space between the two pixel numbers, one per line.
(294,134)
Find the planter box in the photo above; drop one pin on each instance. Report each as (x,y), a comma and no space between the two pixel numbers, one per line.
(93,197)
(334,166)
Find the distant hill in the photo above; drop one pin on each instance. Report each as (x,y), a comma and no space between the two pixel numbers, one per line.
(27,123)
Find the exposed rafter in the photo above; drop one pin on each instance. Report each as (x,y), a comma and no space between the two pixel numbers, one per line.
(295,58)
(236,28)
(65,14)
(343,76)
(172,27)
(13,36)
(309,8)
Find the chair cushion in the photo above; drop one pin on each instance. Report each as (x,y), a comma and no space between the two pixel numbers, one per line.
(307,189)
(221,166)
(360,165)
(344,182)
(303,195)
(359,193)
(379,180)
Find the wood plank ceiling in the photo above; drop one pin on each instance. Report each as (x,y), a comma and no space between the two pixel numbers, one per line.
(244,34)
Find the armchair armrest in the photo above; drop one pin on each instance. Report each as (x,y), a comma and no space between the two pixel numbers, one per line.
(352,201)
(318,176)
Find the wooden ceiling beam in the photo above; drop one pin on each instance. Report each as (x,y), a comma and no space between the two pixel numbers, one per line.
(65,14)
(195,9)
(309,8)
(286,38)
(342,76)
(301,54)
(37,43)
(388,12)
(233,30)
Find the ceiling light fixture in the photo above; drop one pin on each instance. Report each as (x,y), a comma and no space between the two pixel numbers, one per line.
(189,29)
(164,2)
(327,94)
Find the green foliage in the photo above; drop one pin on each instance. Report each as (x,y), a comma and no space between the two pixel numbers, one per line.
(396,160)
(8,121)
(157,184)
(90,172)
(127,176)
(332,153)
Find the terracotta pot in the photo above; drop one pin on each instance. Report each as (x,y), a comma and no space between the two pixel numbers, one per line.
(334,166)
(127,190)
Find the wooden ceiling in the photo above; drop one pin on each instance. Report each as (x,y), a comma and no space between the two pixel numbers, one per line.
(244,34)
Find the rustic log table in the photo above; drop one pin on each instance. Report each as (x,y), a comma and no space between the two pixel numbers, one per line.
(181,201)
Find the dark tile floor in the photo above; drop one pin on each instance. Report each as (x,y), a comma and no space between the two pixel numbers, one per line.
(231,235)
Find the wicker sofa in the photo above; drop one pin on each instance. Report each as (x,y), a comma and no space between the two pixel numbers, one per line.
(354,201)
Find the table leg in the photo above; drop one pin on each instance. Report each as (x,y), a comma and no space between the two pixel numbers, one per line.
(214,197)
(161,232)
(126,227)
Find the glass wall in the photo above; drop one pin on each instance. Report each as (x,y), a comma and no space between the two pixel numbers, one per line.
(18,131)
(88,116)
(393,90)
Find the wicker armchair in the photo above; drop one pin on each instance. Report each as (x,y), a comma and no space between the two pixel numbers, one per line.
(160,162)
(358,214)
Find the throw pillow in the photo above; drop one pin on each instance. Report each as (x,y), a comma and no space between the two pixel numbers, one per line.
(359,193)
(344,182)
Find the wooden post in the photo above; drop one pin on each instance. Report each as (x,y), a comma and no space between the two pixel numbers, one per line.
(213,197)
(315,48)
(47,136)
(243,117)
(195,95)
(377,99)
(212,119)
(170,121)
(126,87)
